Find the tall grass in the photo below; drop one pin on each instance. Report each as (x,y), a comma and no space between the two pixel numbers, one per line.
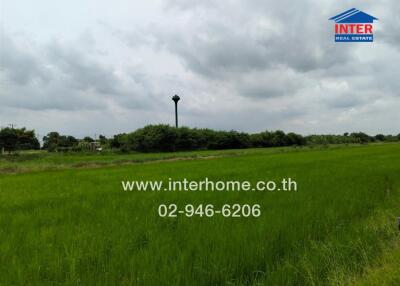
(77,227)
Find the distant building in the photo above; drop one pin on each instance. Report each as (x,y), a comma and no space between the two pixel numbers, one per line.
(95,146)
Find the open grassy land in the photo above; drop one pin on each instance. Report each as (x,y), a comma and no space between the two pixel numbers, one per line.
(76,226)
(32,161)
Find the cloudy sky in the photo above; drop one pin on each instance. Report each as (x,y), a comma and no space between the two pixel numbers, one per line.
(85,67)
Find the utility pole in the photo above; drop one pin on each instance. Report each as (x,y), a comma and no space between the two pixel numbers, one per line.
(176,98)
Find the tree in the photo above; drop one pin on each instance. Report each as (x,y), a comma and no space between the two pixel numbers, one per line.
(279,139)
(8,139)
(380,137)
(88,139)
(12,139)
(71,141)
(27,139)
(103,140)
(56,142)
(118,141)
(51,141)
(295,139)
(153,138)
(362,137)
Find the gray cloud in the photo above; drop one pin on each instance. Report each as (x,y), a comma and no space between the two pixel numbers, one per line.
(264,34)
(389,23)
(271,83)
(19,62)
(81,73)
(247,65)
(60,76)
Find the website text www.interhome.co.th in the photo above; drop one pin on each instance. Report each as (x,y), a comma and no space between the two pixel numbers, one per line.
(283,185)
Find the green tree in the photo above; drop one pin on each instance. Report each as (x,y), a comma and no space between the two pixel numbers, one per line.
(12,139)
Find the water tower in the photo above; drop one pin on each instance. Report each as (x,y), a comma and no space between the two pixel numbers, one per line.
(176,98)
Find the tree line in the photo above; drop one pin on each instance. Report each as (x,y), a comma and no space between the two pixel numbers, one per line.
(164,138)
(154,138)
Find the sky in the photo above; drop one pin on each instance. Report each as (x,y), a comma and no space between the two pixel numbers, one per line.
(87,67)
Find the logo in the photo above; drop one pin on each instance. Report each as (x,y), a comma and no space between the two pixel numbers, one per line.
(353,26)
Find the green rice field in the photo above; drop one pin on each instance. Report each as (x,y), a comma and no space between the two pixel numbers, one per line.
(65,219)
